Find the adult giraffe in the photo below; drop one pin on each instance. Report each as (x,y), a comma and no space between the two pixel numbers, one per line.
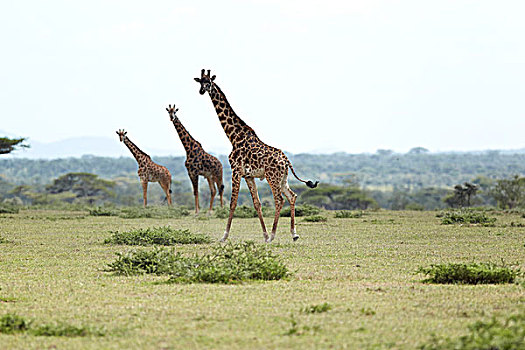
(148,170)
(198,162)
(251,158)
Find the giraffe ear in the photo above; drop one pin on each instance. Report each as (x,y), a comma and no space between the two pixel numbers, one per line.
(167,109)
(198,80)
(213,78)
(176,110)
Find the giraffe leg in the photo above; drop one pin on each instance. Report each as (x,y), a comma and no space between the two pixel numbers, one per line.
(257,204)
(279,201)
(236,184)
(292,197)
(195,182)
(213,191)
(166,188)
(220,187)
(145,192)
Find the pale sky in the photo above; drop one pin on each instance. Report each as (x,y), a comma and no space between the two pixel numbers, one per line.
(353,76)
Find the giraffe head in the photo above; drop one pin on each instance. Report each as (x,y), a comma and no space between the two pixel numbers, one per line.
(172,112)
(121,134)
(206,82)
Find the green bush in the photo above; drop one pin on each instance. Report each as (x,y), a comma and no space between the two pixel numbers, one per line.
(157,235)
(301,210)
(154,212)
(10,324)
(473,273)
(157,261)
(317,309)
(8,209)
(348,214)
(230,263)
(64,330)
(507,334)
(316,218)
(244,211)
(466,217)
(221,213)
(101,211)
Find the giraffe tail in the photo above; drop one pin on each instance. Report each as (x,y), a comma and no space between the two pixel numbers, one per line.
(308,183)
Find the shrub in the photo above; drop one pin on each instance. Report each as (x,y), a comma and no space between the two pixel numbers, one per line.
(348,214)
(10,324)
(466,217)
(492,335)
(153,212)
(244,211)
(156,261)
(157,235)
(8,209)
(64,330)
(474,273)
(230,263)
(101,211)
(317,309)
(301,210)
(221,213)
(316,218)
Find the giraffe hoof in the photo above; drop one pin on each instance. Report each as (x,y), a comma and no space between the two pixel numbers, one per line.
(295,237)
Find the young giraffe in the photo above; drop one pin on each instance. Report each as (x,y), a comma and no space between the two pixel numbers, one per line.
(148,170)
(251,158)
(198,162)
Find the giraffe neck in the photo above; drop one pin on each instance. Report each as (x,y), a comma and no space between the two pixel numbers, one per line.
(187,140)
(231,123)
(140,156)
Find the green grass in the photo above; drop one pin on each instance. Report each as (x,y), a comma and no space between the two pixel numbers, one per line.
(54,272)
(157,235)
(472,273)
(230,263)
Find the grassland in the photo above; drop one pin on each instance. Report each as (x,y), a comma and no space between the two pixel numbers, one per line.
(359,271)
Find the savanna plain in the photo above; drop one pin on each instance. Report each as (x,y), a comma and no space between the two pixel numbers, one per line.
(353,283)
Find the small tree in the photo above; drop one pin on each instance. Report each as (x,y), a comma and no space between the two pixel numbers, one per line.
(470,191)
(84,186)
(509,193)
(8,145)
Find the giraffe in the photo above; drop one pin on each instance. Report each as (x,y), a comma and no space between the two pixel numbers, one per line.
(148,170)
(251,158)
(198,162)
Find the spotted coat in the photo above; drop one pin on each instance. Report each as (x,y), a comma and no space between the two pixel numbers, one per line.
(148,170)
(251,158)
(198,162)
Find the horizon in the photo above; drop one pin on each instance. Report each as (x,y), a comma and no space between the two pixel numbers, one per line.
(72,148)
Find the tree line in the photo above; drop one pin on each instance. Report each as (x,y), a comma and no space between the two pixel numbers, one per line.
(416,180)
